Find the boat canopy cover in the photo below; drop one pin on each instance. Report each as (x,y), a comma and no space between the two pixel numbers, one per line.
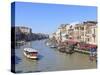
(30,50)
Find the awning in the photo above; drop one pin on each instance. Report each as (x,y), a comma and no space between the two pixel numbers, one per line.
(71,41)
(92,46)
(87,46)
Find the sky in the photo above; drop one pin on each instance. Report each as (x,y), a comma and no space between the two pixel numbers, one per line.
(46,18)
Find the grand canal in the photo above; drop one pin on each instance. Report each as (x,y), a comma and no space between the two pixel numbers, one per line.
(50,59)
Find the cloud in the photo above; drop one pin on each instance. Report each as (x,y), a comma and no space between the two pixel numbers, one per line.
(74,23)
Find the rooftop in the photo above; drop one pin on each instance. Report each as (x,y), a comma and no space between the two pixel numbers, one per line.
(30,50)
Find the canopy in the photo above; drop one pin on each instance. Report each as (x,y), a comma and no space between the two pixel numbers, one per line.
(30,50)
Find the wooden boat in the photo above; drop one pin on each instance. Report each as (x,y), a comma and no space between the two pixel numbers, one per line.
(69,50)
(31,53)
(61,48)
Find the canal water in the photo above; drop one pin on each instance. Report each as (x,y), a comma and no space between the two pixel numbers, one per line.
(50,59)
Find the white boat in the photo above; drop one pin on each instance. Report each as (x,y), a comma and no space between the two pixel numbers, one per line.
(48,44)
(31,53)
(53,46)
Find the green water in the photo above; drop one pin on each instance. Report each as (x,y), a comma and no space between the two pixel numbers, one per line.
(51,59)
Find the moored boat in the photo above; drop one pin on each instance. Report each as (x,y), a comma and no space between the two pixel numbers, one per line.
(70,49)
(48,44)
(61,48)
(31,53)
(53,46)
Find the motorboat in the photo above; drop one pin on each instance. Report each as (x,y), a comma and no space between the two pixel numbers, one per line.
(31,53)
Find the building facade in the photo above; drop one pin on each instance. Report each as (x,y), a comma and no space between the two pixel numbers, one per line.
(22,33)
(82,32)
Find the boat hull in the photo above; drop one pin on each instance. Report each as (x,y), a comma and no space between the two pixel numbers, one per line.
(31,57)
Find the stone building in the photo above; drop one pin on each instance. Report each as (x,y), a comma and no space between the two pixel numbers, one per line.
(23,33)
(82,32)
